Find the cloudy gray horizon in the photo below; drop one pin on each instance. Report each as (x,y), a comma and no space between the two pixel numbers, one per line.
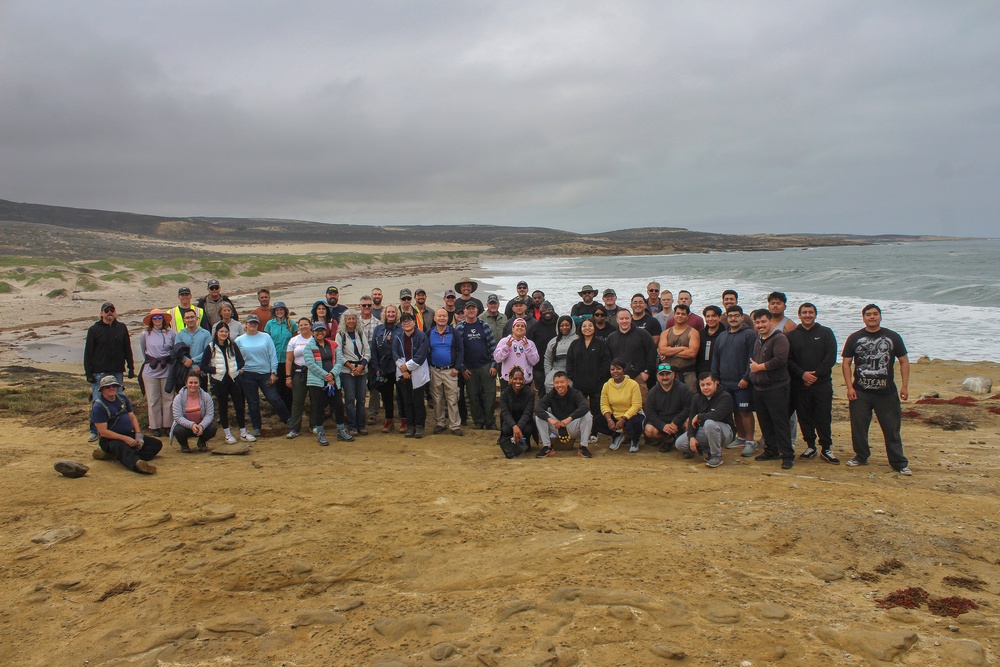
(741,116)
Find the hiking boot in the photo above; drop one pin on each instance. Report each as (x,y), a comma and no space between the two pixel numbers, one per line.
(748,449)
(633,448)
(93,437)
(714,462)
(343,434)
(202,447)
(157,433)
(362,431)
(665,448)
(353,431)
(616,441)
(418,432)
(102,455)
(905,470)
(855,462)
(409,433)
(545,451)
(145,467)
(809,453)
(828,456)
(292,434)
(402,425)
(584,452)
(321,437)
(248,437)
(388,426)
(767,456)
(787,464)
(439,429)
(186,450)
(457,431)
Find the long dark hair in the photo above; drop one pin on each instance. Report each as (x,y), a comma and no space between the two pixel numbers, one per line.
(572,327)
(215,336)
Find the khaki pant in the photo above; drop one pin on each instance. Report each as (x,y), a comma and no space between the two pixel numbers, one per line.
(444,391)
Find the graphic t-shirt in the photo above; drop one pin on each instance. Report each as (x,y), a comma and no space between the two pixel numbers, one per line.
(874,356)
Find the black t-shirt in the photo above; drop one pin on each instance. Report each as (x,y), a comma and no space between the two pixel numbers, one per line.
(874,356)
(649,324)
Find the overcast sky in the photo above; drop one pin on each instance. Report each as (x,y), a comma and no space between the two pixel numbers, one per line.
(742,116)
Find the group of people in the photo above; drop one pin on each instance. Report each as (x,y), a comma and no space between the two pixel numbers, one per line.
(654,371)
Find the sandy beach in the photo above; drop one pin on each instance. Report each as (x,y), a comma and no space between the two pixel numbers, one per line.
(388,551)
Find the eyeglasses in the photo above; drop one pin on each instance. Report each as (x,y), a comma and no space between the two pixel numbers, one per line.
(406,298)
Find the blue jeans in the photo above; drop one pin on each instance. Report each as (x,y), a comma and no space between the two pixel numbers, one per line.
(95,390)
(262,381)
(355,388)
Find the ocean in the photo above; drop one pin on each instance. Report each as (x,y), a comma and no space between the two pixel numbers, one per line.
(940,296)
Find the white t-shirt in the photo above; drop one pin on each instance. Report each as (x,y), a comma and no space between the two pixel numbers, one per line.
(295,346)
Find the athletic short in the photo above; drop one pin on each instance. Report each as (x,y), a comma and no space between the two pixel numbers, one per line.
(742,398)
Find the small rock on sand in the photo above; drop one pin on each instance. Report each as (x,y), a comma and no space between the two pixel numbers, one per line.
(720,612)
(965,650)
(826,571)
(668,652)
(53,535)
(771,612)
(68,468)
(977,384)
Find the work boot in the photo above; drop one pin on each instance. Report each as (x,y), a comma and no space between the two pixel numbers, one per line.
(388,426)
(402,425)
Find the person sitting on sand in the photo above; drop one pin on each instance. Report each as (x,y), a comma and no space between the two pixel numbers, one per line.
(222,363)
(517,410)
(563,411)
(621,405)
(667,406)
(710,422)
(194,415)
(156,342)
(118,430)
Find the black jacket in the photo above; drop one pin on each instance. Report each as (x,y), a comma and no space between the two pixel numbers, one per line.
(108,349)
(773,353)
(517,409)
(719,408)
(812,350)
(178,371)
(662,408)
(573,404)
(589,367)
(636,349)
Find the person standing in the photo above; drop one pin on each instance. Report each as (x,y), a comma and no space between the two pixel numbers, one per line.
(611,307)
(156,342)
(872,388)
(281,329)
(260,372)
(554,358)
(222,363)
(446,357)
(516,351)
(369,320)
(540,333)
(769,377)
(197,339)
(812,354)
(211,303)
(522,293)
(297,376)
(731,364)
(324,362)
(335,308)
(714,326)
(653,298)
(377,304)
(644,320)
(584,309)
(384,366)
(478,369)
(465,287)
(587,366)
(264,312)
(410,352)
(356,353)
(636,349)
(107,351)
(679,346)
(184,305)
(493,317)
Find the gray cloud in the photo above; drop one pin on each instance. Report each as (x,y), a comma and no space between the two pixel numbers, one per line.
(720,116)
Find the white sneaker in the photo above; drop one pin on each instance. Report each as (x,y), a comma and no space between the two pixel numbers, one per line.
(633,448)
(248,437)
(230,439)
(616,442)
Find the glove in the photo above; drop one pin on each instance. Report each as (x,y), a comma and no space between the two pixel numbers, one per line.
(331,390)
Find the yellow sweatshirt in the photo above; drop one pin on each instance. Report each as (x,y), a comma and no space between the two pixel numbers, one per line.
(621,401)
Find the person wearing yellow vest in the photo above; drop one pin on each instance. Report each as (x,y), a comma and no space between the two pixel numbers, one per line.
(177,312)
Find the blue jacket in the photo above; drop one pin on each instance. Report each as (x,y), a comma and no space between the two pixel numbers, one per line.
(317,374)
(421,347)
(382,341)
(731,355)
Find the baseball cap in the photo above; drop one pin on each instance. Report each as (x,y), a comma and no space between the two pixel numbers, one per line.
(522,284)
(664,368)
(610,292)
(492,298)
(106,305)
(471,304)
(213,283)
(184,290)
(252,318)
(419,290)
(333,288)
(405,292)
(450,292)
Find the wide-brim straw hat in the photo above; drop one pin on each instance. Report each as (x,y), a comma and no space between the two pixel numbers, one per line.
(466,279)
(168,319)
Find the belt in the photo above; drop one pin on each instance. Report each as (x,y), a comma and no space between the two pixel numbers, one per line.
(443,368)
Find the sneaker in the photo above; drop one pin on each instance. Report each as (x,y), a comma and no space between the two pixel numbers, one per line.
(593,440)
(202,447)
(342,434)
(145,467)
(248,437)
(828,456)
(633,448)
(93,437)
(808,454)
(714,462)
(584,452)
(787,464)
(905,471)
(545,451)
(256,432)
(688,455)
(321,438)
(748,449)
(101,455)
(185,449)
(616,441)
(352,430)
(457,431)
(291,434)
(409,433)
(362,431)
(157,433)
(418,432)
(665,448)
(767,456)
(855,462)
(439,429)
(230,439)
(736,444)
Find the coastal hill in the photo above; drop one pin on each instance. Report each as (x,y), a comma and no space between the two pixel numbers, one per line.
(68,233)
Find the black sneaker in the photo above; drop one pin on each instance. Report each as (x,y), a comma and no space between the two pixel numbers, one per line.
(545,451)
(665,448)
(809,453)
(585,453)
(688,455)
(767,456)
(787,464)
(828,456)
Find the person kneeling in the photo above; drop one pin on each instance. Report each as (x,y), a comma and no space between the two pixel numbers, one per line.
(667,406)
(194,415)
(566,412)
(710,422)
(118,430)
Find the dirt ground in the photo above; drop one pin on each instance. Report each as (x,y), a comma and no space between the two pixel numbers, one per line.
(440,551)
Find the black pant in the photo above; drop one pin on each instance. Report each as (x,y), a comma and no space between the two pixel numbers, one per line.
(886,408)
(771,407)
(319,399)
(128,456)
(529,431)
(600,423)
(386,389)
(412,400)
(284,391)
(182,433)
(814,405)
(230,388)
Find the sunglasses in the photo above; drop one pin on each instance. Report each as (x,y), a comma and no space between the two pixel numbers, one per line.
(108,310)
(212,289)
(652,291)
(157,317)
(406,298)
(451,297)
(599,315)
(366,305)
